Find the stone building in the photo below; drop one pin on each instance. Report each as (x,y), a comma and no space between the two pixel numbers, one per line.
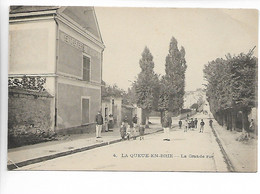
(112,105)
(63,45)
(116,107)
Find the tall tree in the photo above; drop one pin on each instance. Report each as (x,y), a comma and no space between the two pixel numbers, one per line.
(146,85)
(173,82)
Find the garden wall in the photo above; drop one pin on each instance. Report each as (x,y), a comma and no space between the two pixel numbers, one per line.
(29,116)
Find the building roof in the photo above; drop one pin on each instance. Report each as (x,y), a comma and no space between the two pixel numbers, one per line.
(83,17)
(25,9)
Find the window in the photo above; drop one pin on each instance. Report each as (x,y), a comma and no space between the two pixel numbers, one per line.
(85,110)
(86,68)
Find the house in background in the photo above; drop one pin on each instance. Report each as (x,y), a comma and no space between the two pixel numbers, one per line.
(63,45)
(116,107)
(112,106)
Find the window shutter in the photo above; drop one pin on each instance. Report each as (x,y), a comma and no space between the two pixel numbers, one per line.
(86,68)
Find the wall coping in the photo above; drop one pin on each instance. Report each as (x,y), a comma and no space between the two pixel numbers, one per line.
(29,92)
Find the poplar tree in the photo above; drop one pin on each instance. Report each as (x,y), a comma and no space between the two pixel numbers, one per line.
(172,83)
(146,85)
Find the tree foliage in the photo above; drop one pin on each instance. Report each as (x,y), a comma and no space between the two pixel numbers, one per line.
(231,87)
(194,106)
(28,83)
(147,83)
(129,97)
(111,91)
(172,84)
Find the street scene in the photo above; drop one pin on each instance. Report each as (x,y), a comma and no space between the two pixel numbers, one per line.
(162,90)
(191,151)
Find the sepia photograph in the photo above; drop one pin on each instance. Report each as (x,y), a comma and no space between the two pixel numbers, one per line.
(139,89)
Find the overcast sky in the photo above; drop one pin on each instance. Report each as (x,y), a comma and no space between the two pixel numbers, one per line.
(204,33)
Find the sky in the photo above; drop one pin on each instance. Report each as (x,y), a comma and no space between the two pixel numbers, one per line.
(206,34)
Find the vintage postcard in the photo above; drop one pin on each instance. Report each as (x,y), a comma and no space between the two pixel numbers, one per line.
(132,89)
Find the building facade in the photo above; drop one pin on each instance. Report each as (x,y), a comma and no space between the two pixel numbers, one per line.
(112,106)
(64,45)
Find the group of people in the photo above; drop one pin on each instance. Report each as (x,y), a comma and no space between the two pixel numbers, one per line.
(191,124)
(125,130)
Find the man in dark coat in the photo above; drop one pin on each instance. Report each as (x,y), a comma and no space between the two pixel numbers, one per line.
(99,123)
(180,124)
(196,123)
(192,123)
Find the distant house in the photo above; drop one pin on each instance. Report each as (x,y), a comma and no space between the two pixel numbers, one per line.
(112,106)
(116,107)
(63,45)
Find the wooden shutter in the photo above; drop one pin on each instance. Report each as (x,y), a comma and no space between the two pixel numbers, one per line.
(86,68)
(85,111)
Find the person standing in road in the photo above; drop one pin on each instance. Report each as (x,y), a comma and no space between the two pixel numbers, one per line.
(202,126)
(210,123)
(180,124)
(192,124)
(186,126)
(99,123)
(166,124)
(196,123)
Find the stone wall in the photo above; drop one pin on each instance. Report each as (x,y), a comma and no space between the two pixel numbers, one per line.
(29,111)
(29,117)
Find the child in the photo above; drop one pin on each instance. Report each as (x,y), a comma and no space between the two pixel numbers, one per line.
(186,126)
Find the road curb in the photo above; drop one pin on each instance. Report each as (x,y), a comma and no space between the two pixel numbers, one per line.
(222,147)
(61,154)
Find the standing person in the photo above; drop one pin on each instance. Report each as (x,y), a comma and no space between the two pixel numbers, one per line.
(127,126)
(202,126)
(192,124)
(106,124)
(99,123)
(251,128)
(186,126)
(124,128)
(110,122)
(196,123)
(210,123)
(180,124)
(134,120)
(166,124)
(252,125)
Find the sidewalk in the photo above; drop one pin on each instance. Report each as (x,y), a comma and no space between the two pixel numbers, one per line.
(243,155)
(30,154)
